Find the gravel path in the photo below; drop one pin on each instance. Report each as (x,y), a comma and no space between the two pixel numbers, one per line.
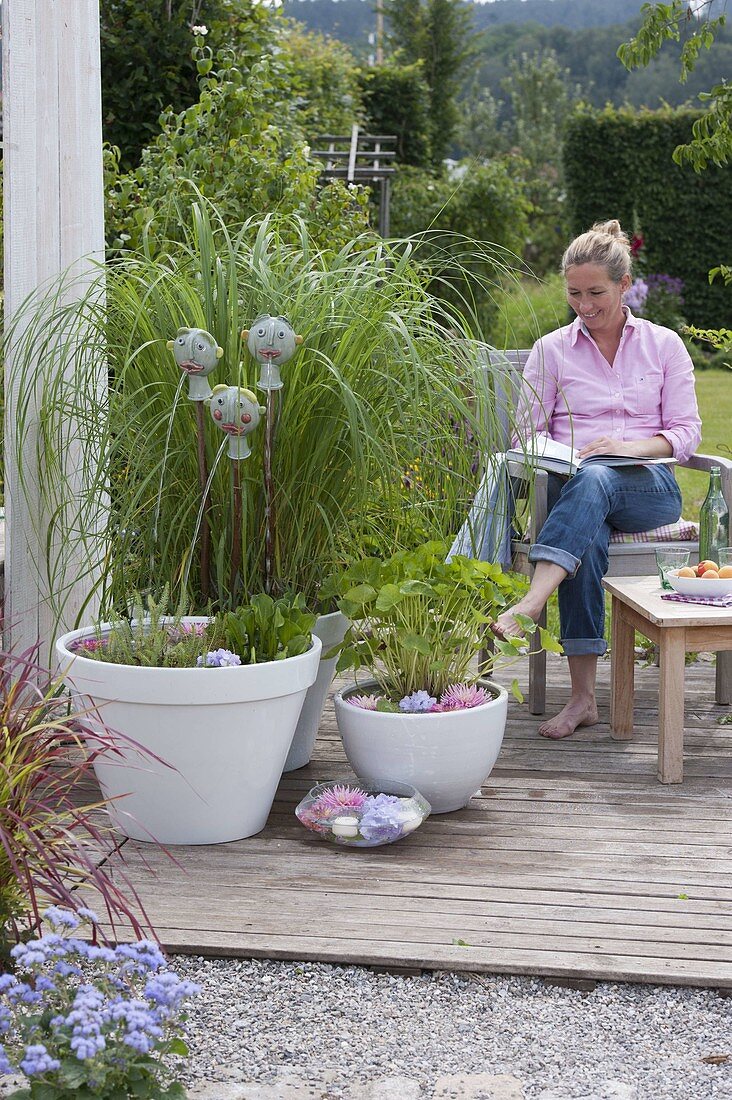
(315,1030)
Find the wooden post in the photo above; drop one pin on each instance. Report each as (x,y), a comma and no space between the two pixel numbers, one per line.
(54,218)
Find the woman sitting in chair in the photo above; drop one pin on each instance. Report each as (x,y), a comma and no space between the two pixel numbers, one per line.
(608,383)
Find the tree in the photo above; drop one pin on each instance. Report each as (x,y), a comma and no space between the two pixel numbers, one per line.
(712,133)
(147,66)
(397,101)
(540,97)
(438,33)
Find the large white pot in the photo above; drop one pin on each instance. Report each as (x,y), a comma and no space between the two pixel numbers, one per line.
(222,736)
(331,630)
(445,756)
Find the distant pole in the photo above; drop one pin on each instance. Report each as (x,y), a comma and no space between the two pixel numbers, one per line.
(379,32)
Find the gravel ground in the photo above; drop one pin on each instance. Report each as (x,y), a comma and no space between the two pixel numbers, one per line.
(334,1026)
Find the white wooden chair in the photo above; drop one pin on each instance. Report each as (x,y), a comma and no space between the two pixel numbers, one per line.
(626,558)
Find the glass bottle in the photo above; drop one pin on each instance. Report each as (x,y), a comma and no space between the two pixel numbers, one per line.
(713,519)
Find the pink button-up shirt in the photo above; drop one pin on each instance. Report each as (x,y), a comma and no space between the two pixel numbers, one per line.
(571,392)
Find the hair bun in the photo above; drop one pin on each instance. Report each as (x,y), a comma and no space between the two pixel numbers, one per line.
(613,229)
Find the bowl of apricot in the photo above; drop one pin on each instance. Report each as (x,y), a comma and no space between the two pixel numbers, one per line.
(707,578)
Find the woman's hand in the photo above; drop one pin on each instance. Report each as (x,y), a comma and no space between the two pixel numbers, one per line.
(606,445)
(657,446)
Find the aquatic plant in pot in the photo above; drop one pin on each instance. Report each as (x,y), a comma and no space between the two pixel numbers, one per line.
(427,715)
(206,709)
(383,375)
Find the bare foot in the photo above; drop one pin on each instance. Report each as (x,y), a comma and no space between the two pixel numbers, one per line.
(506,626)
(577,712)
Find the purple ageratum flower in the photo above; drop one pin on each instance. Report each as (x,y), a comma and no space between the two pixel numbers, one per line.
(635,296)
(219,658)
(463,697)
(60,918)
(382,818)
(5,1066)
(419,702)
(37,1060)
(87,914)
(167,990)
(365,702)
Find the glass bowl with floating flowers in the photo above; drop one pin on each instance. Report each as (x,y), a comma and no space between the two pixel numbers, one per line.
(363,814)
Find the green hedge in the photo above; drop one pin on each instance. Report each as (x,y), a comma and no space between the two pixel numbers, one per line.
(618,164)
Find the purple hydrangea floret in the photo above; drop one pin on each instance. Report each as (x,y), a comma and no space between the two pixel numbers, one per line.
(219,658)
(382,817)
(419,702)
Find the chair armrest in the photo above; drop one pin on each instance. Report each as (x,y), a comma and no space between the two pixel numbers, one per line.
(539,510)
(705,462)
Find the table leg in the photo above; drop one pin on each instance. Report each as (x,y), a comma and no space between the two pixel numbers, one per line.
(622,669)
(671,706)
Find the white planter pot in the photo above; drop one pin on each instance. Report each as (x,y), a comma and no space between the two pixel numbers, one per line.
(445,756)
(331,630)
(222,736)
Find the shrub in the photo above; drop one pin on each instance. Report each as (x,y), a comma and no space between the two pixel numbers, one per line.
(618,164)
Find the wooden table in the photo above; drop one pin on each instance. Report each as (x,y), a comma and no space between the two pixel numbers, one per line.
(676,628)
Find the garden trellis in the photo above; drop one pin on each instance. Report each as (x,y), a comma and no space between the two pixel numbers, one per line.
(54,221)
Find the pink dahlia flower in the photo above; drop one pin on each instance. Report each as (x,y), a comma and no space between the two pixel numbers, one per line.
(338,799)
(365,702)
(463,697)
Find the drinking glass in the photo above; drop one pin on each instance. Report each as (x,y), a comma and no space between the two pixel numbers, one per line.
(670,559)
(725,556)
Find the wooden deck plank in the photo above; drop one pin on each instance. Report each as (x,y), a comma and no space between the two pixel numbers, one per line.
(573,861)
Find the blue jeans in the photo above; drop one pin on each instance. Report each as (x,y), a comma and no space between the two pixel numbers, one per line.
(582,513)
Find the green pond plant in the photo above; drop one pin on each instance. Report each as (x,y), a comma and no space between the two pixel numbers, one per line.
(419,622)
(387,376)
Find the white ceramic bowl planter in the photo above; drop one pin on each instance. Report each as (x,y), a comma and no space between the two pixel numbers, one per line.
(331,630)
(445,756)
(223,734)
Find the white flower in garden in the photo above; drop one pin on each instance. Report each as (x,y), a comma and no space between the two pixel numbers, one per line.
(202,30)
(306,150)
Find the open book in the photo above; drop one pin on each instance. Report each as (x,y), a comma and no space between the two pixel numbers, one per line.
(547,454)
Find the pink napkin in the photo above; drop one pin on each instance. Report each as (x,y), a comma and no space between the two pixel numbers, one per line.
(710,601)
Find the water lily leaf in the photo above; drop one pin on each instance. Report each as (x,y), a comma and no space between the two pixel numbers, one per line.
(388,597)
(549,642)
(360,594)
(416,588)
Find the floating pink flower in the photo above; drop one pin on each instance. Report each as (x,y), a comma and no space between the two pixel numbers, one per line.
(365,702)
(337,799)
(90,645)
(463,697)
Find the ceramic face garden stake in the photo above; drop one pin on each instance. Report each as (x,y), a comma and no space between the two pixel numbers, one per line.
(271,341)
(235,411)
(196,353)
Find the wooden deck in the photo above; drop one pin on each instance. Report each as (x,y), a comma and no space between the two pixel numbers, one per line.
(574,862)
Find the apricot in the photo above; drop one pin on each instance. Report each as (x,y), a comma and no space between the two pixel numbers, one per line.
(725,572)
(704,565)
(686,571)
(710,575)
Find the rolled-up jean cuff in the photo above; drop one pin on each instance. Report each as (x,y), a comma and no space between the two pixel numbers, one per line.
(577,647)
(539,552)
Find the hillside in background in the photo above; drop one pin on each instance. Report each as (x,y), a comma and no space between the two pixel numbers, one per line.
(584,34)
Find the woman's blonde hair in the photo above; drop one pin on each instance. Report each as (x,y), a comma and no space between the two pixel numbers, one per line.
(605,244)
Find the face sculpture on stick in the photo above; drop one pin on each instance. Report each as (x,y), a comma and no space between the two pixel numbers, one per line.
(235,411)
(271,341)
(196,353)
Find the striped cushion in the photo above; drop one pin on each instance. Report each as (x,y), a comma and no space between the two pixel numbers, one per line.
(681,531)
